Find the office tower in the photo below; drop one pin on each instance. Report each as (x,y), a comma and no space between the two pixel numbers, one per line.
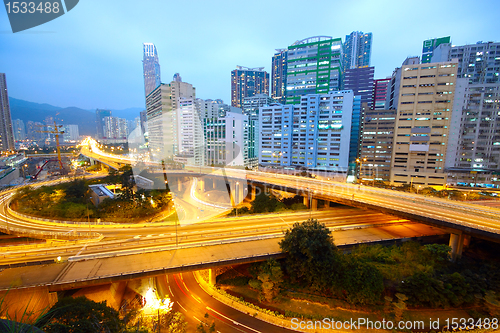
(143,120)
(71,133)
(278,75)
(430,45)
(395,84)
(100,114)
(247,82)
(314,66)
(360,81)
(473,155)
(376,145)
(357,50)
(6,135)
(151,68)
(209,108)
(314,134)
(379,95)
(19,130)
(191,145)
(479,62)
(225,140)
(423,123)
(162,105)
(250,108)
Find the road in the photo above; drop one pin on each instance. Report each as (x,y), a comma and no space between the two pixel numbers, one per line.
(193,302)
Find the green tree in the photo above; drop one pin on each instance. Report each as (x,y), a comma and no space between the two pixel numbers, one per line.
(76,190)
(362,282)
(81,315)
(265,203)
(271,277)
(312,257)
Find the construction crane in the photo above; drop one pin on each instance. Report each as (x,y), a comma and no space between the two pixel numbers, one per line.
(56,131)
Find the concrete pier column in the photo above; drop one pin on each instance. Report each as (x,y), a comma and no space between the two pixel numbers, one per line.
(179,184)
(212,277)
(253,192)
(306,201)
(466,240)
(326,204)
(201,184)
(457,245)
(314,204)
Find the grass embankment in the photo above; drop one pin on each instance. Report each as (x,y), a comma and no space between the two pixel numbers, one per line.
(434,288)
(71,201)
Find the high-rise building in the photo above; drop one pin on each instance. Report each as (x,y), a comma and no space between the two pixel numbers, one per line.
(32,130)
(225,140)
(423,123)
(314,66)
(100,114)
(314,134)
(162,106)
(395,83)
(6,134)
(357,50)
(19,130)
(115,129)
(71,133)
(473,155)
(430,45)
(278,75)
(151,68)
(191,145)
(360,81)
(248,82)
(376,145)
(379,95)
(251,107)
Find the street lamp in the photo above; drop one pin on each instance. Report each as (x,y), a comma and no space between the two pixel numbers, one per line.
(360,161)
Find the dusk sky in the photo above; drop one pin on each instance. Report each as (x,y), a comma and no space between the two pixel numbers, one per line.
(91,57)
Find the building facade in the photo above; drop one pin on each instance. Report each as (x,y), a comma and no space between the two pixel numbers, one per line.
(314,66)
(248,82)
(357,50)
(226,140)
(71,133)
(395,84)
(313,135)
(360,80)
(191,143)
(278,75)
(100,114)
(151,68)
(6,133)
(423,123)
(376,145)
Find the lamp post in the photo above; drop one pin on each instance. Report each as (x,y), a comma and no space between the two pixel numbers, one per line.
(360,161)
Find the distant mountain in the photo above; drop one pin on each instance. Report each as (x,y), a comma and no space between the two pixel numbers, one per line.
(85,119)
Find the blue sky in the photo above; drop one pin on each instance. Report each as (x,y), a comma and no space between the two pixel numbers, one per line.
(91,56)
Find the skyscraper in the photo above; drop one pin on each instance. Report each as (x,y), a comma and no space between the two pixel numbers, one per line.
(430,45)
(357,50)
(379,95)
(100,114)
(6,134)
(19,130)
(360,80)
(314,134)
(247,82)
(278,75)
(423,123)
(151,68)
(314,66)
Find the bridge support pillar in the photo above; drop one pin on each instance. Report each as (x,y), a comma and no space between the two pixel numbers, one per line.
(314,203)
(306,201)
(457,245)
(237,192)
(201,184)
(212,277)
(326,204)
(253,192)
(179,184)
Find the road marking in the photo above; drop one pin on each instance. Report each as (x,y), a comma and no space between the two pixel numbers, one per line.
(183,308)
(231,320)
(197,319)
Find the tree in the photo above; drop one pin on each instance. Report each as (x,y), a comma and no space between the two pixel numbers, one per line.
(311,254)
(362,282)
(271,277)
(265,203)
(81,315)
